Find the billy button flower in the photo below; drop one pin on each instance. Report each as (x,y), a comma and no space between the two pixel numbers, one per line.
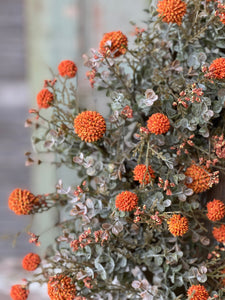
(172,11)
(19,292)
(114,42)
(44,98)
(143,175)
(216,210)
(201,180)
(219,233)
(31,261)
(67,68)
(158,123)
(22,202)
(60,287)
(217,69)
(90,126)
(177,225)
(197,292)
(126,201)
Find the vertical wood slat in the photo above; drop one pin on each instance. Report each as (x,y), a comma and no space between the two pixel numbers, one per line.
(51,35)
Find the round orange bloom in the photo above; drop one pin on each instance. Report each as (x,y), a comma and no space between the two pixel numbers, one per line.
(217,69)
(19,292)
(142,175)
(126,201)
(223,278)
(158,123)
(44,98)
(198,292)
(31,261)
(89,126)
(201,180)
(172,11)
(178,225)
(60,287)
(216,210)
(67,68)
(219,233)
(114,42)
(22,201)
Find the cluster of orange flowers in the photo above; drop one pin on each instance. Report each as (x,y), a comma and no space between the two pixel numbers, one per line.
(142,174)
(197,292)
(31,261)
(172,11)
(22,202)
(61,287)
(114,42)
(178,225)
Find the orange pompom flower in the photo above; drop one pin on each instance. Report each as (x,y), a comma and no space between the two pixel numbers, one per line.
(22,201)
(44,98)
(114,42)
(217,69)
(216,210)
(19,292)
(126,201)
(89,126)
(31,261)
(143,175)
(60,287)
(67,68)
(158,123)
(172,11)
(219,233)
(223,278)
(197,292)
(201,180)
(178,225)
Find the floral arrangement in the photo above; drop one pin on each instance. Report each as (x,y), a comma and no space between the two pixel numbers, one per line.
(140,223)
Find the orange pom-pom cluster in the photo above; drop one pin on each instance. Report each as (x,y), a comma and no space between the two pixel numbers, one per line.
(223,279)
(143,175)
(89,126)
(67,68)
(31,261)
(198,292)
(216,210)
(126,201)
(60,287)
(219,234)
(22,201)
(158,123)
(217,69)
(172,11)
(114,42)
(19,292)
(178,225)
(201,179)
(44,98)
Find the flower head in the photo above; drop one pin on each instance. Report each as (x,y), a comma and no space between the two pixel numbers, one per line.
(178,225)
(114,42)
(22,201)
(216,210)
(89,126)
(158,123)
(60,287)
(126,201)
(19,292)
(201,180)
(197,292)
(217,69)
(31,261)
(172,11)
(219,233)
(143,175)
(67,68)
(44,98)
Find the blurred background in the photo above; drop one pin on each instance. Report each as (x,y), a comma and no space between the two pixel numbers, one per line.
(36,35)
